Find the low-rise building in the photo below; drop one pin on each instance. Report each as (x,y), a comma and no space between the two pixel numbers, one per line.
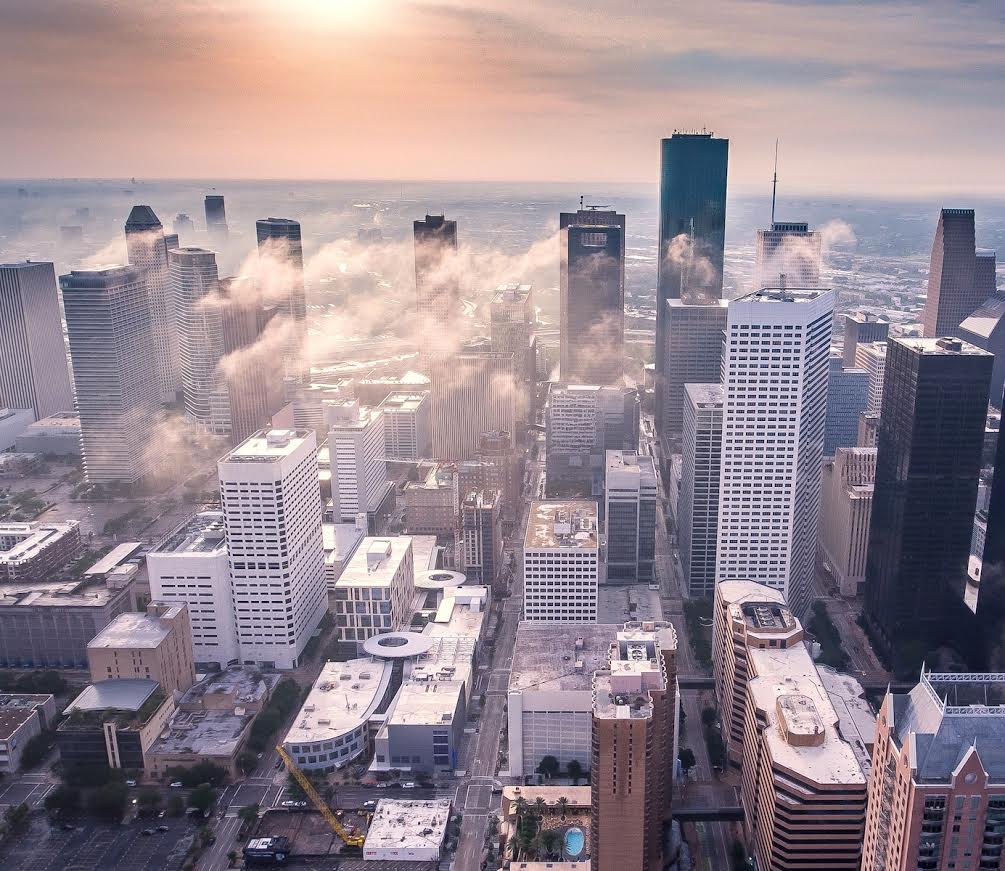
(376,589)
(431,505)
(22,717)
(561,562)
(13,422)
(57,435)
(411,831)
(34,551)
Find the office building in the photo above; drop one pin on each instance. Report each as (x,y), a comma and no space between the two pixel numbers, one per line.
(375,388)
(849,477)
(431,504)
(109,332)
(198,310)
(23,716)
(34,551)
(183,225)
(592,296)
(340,543)
(437,286)
(472,392)
(859,328)
(356,452)
(272,516)
(561,562)
(774,409)
(871,356)
(868,430)
(498,465)
(935,794)
(635,709)
(407,831)
(931,438)
(694,332)
(956,288)
(191,566)
(582,423)
(33,371)
(58,434)
(156,645)
(985,328)
(698,501)
(408,434)
(692,230)
(991,597)
(147,249)
(512,321)
(279,242)
(375,592)
(847,398)
(216,219)
(790,249)
(481,536)
(630,495)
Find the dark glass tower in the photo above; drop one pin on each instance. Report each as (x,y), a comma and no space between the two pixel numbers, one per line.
(437,296)
(280,240)
(216,219)
(692,212)
(592,297)
(930,441)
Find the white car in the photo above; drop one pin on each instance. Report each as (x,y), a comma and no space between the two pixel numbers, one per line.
(177,784)
(409,785)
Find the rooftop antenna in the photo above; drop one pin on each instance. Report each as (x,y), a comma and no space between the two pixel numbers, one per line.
(774,185)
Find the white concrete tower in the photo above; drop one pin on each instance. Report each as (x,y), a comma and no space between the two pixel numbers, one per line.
(356,451)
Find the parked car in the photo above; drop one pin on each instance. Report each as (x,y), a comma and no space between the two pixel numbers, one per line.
(130,783)
(163,828)
(176,784)
(370,805)
(409,785)
(147,832)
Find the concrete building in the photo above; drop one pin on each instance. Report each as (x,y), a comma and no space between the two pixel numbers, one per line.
(147,250)
(698,501)
(13,422)
(859,328)
(498,465)
(847,398)
(985,328)
(774,411)
(118,398)
(630,496)
(22,717)
(512,321)
(272,516)
(871,356)
(407,429)
(33,372)
(431,505)
(472,392)
(561,562)
(550,696)
(340,541)
(191,566)
(376,386)
(790,249)
(868,429)
(437,289)
(407,831)
(481,543)
(845,514)
(279,241)
(935,795)
(592,296)
(356,453)
(694,331)
(58,435)
(635,712)
(375,592)
(155,646)
(35,551)
(582,423)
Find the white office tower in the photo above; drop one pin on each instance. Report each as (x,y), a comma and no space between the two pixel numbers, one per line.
(375,591)
(191,566)
(698,502)
(561,562)
(272,512)
(774,409)
(33,371)
(108,327)
(147,249)
(356,452)
(200,337)
(407,432)
(630,495)
(871,356)
(790,249)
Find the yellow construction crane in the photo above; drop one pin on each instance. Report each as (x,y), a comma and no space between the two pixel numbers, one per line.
(319,803)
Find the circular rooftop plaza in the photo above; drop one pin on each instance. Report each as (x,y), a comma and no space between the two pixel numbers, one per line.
(397,645)
(438,579)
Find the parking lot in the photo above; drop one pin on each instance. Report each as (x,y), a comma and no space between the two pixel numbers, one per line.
(92,846)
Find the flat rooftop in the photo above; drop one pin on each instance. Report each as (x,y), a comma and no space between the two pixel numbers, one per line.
(557,523)
(31,538)
(403,401)
(203,733)
(64,420)
(427,703)
(125,694)
(942,347)
(244,683)
(619,603)
(88,593)
(134,629)
(202,534)
(376,561)
(268,445)
(401,825)
(16,710)
(116,556)
(561,656)
(705,395)
(785,294)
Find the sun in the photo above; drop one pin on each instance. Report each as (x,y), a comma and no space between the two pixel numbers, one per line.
(345,13)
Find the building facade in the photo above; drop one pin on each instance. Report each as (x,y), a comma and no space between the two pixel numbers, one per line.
(356,452)
(279,241)
(861,327)
(871,356)
(847,398)
(790,249)
(35,551)
(985,328)
(512,320)
(694,332)
(481,536)
(437,290)
(630,495)
(846,513)
(375,592)
(561,562)
(408,432)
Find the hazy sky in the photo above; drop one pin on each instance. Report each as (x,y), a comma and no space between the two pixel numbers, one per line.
(892,96)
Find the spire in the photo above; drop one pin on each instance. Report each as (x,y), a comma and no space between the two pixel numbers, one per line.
(774,186)
(142,218)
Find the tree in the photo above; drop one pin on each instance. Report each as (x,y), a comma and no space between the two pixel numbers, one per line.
(231,858)
(149,801)
(246,762)
(549,767)
(540,807)
(63,799)
(563,805)
(16,817)
(687,760)
(176,806)
(249,814)
(709,716)
(549,841)
(109,801)
(202,797)
(201,772)
(36,750)
(575,769)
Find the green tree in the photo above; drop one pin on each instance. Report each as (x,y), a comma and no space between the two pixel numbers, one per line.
(149,801)
(687,760)
(109,801)
(549,767)
(575,770)
(246,762)
(63,799)
(550,840)
(202,797)
(16,817)
(249,814)
(176,805)
(709,716)
(563,805)
(231,858)
(540,807)
(36,750)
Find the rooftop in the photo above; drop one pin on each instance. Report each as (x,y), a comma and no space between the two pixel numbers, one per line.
(201,534)
(402,825)
(622,690)
(785,294)
(343,415)
(116,556)
(985,320)
(126,694)
(89,593)
(204,733)
(268,446)
(426,703)
(244,683)
(562,524)
(945,346)
(375,562)
(29,539)
(135,630)
(404,401)
(705,395)
(16,710)
(60,420)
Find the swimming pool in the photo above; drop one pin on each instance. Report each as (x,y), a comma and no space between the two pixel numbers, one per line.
(575,840)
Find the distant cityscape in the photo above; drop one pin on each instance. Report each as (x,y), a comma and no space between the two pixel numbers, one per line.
(506,535)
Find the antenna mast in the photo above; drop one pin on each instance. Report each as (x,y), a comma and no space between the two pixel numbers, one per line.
(774,185)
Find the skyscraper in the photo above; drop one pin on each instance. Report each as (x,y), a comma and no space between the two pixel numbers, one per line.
(592,296)
(692,230)
(630,494)
(693,352)
(216,219)
(845,514)
(991,597)
(789,248)
(481,536)
(183,225)
(985,328)
(774,410)
(33,370)
(847,398)
(955,287)
(279,241)
(147,249)
(871,356)
(862,327)
(108,326)
(272,514)
(698,503)
(512,324)
(356,452)
(927,468)
(437,288)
